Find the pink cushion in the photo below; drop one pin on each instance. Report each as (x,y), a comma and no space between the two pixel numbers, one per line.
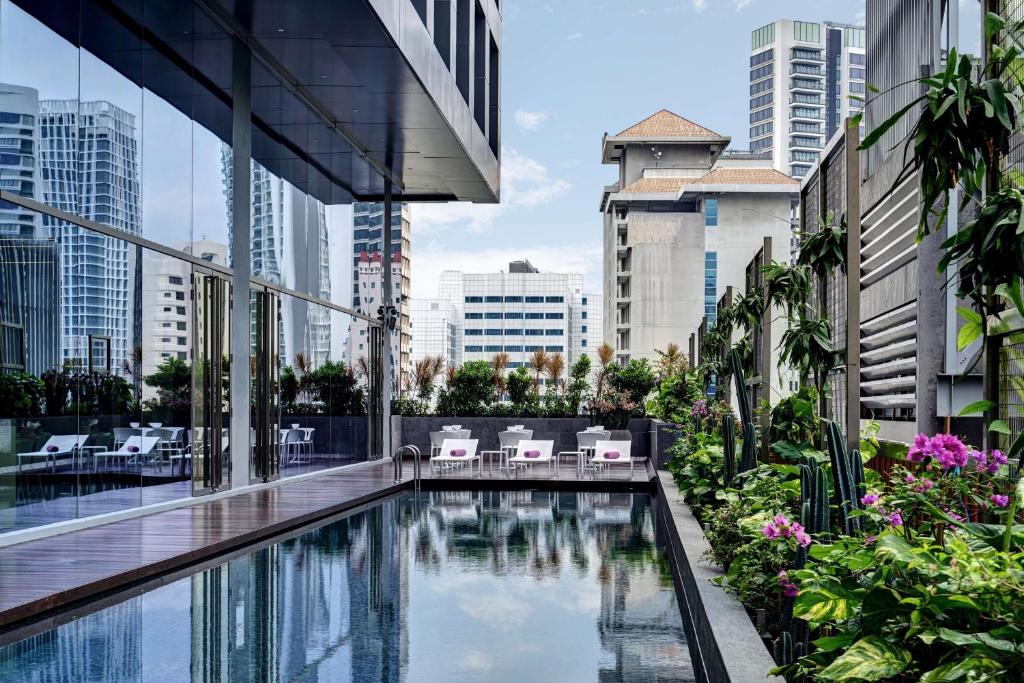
(133,449)
(457,452)
(611,455)
(52,449)
(531,454)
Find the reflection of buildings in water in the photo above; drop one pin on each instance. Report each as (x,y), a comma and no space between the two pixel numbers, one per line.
(88,157)
(105,646)
(289,246)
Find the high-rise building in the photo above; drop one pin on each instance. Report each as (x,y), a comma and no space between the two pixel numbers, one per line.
(681,224)
(370,274)
(368,238)
(434,330)
(88,156)
(289,246)
(28,256)
(517,313)
(805,78)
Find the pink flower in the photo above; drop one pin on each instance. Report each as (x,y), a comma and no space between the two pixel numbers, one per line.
(870,540)
(895,518)
(910,478)
(953,515)
(781,527)
(979,458)
(802,538)
(770,531)
(790,590)
(917,452)
(947,450)
(870,499)
(998,500)
(925,486)
(998,460)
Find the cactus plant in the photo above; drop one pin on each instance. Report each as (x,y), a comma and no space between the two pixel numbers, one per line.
(742,397)
(857,472)
(748,461)
(784,649)
(814,494)
(846,494)
(729,448)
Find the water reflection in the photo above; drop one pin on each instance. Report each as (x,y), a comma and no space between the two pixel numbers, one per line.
(447,586)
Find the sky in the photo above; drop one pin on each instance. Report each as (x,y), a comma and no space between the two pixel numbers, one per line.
(573,70)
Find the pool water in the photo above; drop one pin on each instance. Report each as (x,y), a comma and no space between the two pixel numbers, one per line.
(436,586)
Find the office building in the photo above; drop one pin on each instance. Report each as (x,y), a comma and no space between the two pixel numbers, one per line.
(681,224)
(805,78)
(368,238)
(518,313)
(434,331)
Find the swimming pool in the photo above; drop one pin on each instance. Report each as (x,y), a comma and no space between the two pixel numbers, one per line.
(434,586)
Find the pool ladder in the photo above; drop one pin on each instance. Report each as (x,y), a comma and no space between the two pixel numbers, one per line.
(397,461)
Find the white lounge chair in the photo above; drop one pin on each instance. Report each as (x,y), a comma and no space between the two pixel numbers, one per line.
(135,449)
(530,453)
(55,447)
(585,442)
(456,453)
(608,453)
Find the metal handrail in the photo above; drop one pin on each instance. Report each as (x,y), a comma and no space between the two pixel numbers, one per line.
(397,461)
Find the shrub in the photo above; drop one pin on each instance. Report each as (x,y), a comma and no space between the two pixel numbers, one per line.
(21,394)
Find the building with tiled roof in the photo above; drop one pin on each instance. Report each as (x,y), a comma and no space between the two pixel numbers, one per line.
(681,223)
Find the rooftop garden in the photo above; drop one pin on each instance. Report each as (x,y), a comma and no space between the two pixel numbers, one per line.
(883,562)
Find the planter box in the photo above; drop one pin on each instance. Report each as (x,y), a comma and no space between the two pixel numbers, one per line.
(724,643)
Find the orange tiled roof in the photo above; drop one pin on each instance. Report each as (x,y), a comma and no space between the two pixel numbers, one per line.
(666,124)
(719,176)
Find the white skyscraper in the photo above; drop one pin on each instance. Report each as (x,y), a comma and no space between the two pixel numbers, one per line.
(805,78)
(88,154)
(434,328)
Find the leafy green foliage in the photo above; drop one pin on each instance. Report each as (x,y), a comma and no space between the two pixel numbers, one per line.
(469,392)
(806,346)
(21,394)
(793,419)
(824,251)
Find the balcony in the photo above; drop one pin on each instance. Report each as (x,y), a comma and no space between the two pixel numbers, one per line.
(806,56)
(622,301)
(807,84)
(807,70)
(809,100)
(804,143)
(623,275)
(807,115)
(806,129)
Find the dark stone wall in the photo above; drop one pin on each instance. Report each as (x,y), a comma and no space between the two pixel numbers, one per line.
(663,435)
(562,430)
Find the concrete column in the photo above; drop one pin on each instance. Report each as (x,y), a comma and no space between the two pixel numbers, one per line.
(852,286)
(241,146)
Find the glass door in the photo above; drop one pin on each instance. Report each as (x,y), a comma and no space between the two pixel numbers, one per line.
(211,405)
(265,363)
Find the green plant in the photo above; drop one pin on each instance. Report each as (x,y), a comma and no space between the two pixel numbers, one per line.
(21,394)
(847,499)
(728,450)
(814,497)
(56,391)
(172,380)
(824,251)
(793,419)
(787,286)
(334,388)
(578,389)
(469,392)
(806,346)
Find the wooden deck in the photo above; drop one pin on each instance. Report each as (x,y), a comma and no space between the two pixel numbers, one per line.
(39,578)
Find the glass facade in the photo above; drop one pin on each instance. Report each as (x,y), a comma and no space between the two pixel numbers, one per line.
(123,332)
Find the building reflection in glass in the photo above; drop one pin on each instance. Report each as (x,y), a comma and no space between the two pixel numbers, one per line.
(443,586)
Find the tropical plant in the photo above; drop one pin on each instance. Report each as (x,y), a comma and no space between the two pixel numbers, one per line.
(425,373)
(522,397)
(806,346)
(555,369)
(577,389)
(172,380)
(787,286)
(21,395)
(748,309)
(792,418)
(824,251)
(539,360)
(635,379)
(334,389)
(671,361)
(605,356)
(56,390)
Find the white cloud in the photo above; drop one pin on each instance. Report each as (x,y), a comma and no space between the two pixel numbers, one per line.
(740,4)
(575,36)
(524,182)
(429,260)
(700,5)
(476,660)
(530,120)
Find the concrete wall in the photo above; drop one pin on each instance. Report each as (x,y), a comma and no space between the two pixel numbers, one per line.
(667,282)
(416,431)
(673,157)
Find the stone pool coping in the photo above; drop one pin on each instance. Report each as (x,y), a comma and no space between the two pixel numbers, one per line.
(726,645)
